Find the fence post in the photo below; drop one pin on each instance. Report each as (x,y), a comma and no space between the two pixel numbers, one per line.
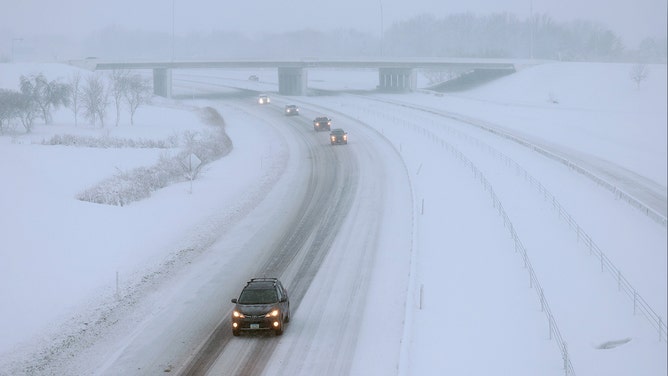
(565,359)
(542,301)
(660,329)
(421,295)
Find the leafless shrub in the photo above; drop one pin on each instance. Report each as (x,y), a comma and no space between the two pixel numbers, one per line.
(110,142)
(9,107)
(45,94)
(95,99)
(138,92)
(75,95)
(639,73)
(117,88)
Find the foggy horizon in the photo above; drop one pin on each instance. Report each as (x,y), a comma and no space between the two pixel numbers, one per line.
(75,19)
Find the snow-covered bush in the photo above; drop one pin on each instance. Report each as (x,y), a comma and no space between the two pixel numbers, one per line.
(110,142)
(137,184)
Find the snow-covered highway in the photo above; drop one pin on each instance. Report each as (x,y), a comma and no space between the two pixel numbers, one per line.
(400,249)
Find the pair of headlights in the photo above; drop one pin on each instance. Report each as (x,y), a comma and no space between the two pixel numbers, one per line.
(240,315)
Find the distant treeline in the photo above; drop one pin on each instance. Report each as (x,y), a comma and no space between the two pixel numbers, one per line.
(500,35)
(504,35)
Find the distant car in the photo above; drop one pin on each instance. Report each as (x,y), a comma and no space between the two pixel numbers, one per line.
(263,99)
(263,305)
(338,136)
(322,123)
(253,78)
(291,110)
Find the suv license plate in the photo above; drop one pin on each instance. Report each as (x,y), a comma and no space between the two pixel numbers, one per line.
(255,326)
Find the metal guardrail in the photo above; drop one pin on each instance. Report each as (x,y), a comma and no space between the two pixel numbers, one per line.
(519,247)
(639,303)
(618,192)
(554,331)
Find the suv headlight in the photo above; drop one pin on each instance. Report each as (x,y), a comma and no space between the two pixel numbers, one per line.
(273,313)
(238,314)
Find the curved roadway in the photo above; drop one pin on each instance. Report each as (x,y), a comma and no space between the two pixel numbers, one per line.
(297,254)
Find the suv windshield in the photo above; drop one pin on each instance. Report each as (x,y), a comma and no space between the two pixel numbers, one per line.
(253,296)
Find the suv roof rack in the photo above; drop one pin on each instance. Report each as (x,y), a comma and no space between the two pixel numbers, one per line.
(263,279)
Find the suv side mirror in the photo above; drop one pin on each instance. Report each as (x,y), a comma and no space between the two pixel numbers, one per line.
(234,300)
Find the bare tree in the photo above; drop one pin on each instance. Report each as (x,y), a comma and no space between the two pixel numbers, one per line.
(24,104)
(95,99)
(9,107)
(118,89)
(46,94)
(27,110)
(138,92)
(75,94)
(639,73)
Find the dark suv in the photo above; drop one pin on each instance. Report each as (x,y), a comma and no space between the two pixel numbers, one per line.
(338,136)
(262,305)
(291,110)
(322,123)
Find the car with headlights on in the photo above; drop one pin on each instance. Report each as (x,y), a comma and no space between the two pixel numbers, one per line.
(263,99)
(263,305)
(291,110)
(338,137)
(322,123)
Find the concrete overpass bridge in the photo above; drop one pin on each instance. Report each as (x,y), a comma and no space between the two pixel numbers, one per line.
(394,74)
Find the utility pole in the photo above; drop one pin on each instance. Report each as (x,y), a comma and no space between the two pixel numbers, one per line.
(531,22)
(173,30)
(382,30)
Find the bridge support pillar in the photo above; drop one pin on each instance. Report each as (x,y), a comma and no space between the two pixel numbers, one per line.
(162,82)
(292,81)
(397,79)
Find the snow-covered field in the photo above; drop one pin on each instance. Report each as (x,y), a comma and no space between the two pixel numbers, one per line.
(470,304)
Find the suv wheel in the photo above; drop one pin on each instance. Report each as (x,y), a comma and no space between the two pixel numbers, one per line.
(235,333)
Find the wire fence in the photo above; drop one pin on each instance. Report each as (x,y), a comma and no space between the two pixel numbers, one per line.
(640,305)
(534,283)
(554,332)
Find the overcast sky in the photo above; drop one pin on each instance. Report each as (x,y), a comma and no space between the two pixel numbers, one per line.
(631,19)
